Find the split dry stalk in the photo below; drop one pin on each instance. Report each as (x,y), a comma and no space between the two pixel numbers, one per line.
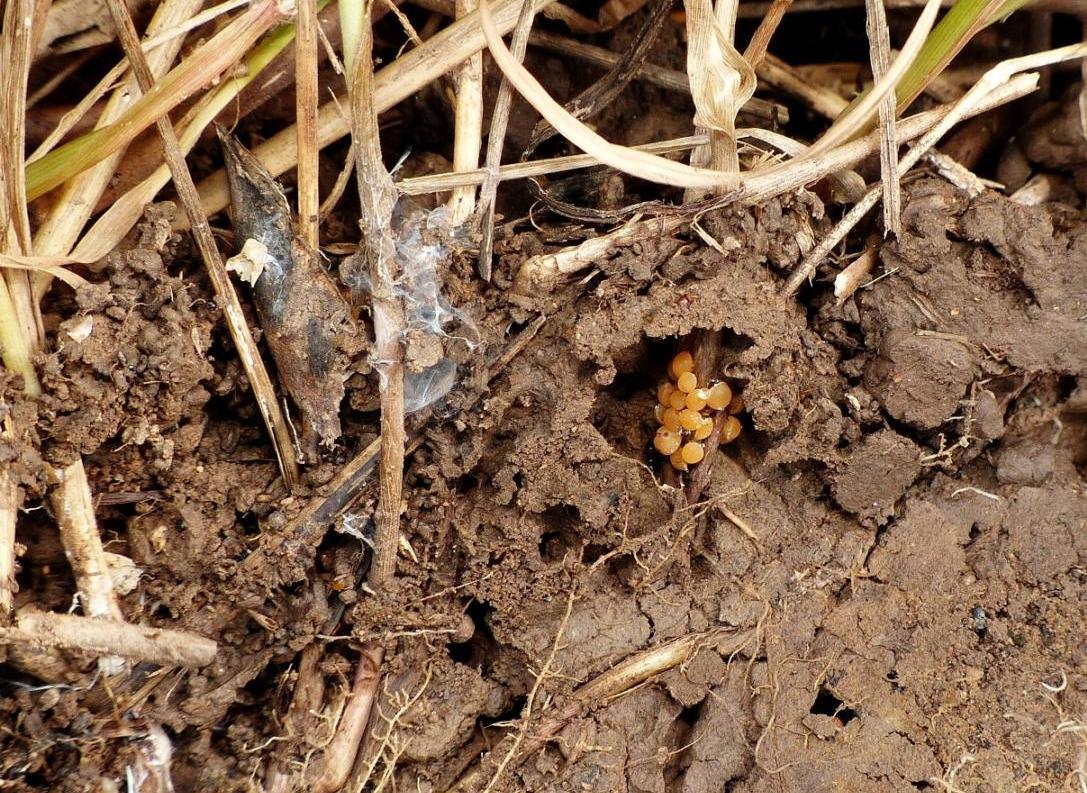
(224,290)
(109,638)
(496,140)
(721,82)
(74,509)
(755,52)
(344,746)
(377,198)
(778,74)
(305,49)
(879,42)
(468,124)
(1001,78)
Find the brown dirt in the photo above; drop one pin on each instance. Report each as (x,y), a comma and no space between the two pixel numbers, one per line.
(909,617)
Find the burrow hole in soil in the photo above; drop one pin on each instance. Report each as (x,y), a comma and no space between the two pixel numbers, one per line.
(623,412)
(476,650)
(827,704)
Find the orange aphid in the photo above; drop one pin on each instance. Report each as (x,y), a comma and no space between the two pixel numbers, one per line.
(736,405)
(687,382)
(664,392)
(719,397)
(676,459)
(677,399)
(682,363)
(670,419)
(703,430)
(666,442)
(697,399)
(692,452)
(689,419)
(730,430)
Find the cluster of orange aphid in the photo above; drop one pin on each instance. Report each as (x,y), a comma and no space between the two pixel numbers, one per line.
(686,414)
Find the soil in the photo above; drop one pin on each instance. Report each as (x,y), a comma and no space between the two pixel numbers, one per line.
(883,585)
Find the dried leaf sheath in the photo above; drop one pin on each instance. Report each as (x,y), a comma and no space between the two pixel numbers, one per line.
(306,320)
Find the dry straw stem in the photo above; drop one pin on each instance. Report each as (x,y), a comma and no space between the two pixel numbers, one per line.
(776,73)
(468,124)
(496,140)
(755,52)
(224,289)
(340,752)
(999,79)
(74,510)
(108,638)
(540,274)
(377,198)
(397,81)
(657,169)
(9,504)
(879,42)
(440,182)
(305,50)
(621,678)
(856,272)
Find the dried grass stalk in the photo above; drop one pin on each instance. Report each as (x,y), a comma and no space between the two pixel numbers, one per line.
(74,511)
(108,638)
(879,41)
(305,49)
(377,196)
(468,129)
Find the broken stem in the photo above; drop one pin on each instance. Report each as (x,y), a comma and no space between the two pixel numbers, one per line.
(495,142)
(377,197)
(468,124)
(305,49)
(108,638)
(344,746)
